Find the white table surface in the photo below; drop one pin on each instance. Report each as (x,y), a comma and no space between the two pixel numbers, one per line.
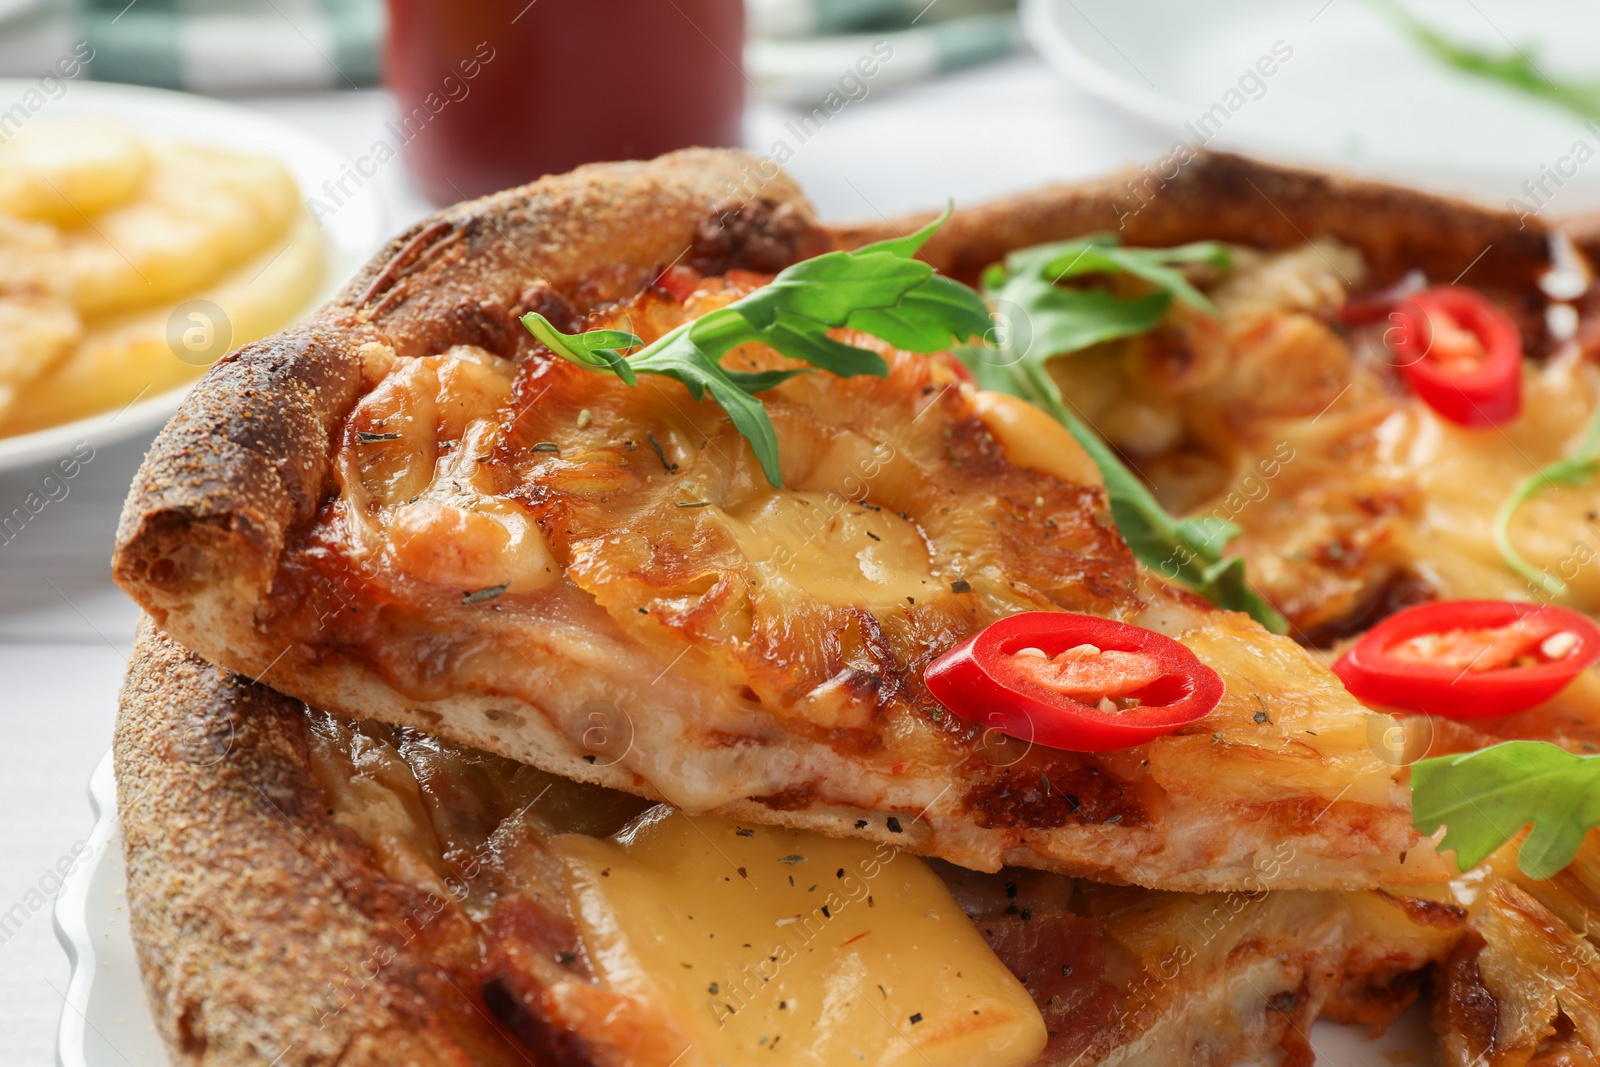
(65,629)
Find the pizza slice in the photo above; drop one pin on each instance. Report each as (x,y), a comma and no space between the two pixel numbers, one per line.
(314,889)
(408,509)
(337,891)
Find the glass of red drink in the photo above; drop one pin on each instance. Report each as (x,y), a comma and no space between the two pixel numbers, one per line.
(495,93)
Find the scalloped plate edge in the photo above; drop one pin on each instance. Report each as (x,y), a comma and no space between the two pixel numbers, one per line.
(104,991)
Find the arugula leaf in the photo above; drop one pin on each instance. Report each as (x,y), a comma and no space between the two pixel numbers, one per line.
(1575,470)
(600,349)
(1098,254)
(1486,797)
(1055,321)
(877,289)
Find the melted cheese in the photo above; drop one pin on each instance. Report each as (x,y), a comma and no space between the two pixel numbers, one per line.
(796,948)
(1342,480)
(1033,439)
(1465,476)
(434,507)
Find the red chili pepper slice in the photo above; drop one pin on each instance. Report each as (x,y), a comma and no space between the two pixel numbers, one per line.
(1460,354)
(1464,659)
(1074,682)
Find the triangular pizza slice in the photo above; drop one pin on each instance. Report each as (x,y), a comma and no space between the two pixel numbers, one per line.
(409,510)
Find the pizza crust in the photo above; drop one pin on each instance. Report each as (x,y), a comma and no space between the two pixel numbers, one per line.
(1223,197)
(255,916)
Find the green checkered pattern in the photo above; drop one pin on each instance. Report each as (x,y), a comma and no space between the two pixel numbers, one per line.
(235,45)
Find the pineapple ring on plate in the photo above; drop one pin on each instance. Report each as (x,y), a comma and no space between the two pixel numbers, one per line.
(118,358)
(107,237)
(203,211)
(68,172)
(36,331)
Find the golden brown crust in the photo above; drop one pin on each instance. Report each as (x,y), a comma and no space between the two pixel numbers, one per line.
(1223,197)
(244,458)
(259,922)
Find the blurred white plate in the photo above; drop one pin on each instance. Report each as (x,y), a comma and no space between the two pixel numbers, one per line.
(106,1021)
(1355,92)
(350,235)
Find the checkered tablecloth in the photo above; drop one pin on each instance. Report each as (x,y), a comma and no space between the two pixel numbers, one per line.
(798,50)
(227,46)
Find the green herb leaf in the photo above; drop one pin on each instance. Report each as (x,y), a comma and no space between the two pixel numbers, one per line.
(761,381)
(1486,797)
(878,289)
(1575,470)
(481,595)
(909,245)
(1097,255)
(1052,321)
(1515,69)
(1208,530)
(600,349)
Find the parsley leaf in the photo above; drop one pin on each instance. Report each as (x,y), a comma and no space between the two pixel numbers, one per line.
(1047,321)
(877,289)
(1577,469)
(1486,797)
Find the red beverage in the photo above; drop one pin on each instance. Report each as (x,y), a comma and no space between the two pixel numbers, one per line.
(495,93)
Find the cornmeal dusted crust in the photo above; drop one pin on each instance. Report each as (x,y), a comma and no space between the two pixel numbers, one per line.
(255,916)
(1223,197)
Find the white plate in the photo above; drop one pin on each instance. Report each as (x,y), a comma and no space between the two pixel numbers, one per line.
(350,235)
(1356,92)
(106,1021)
